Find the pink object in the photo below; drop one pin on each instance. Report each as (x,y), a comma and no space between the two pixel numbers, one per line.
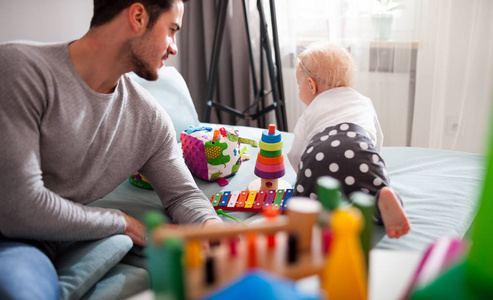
(222,182)
(194,155)
(440,255)
(269,168)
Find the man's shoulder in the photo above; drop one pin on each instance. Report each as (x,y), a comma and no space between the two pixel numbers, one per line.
(28,48)
(136,88)
(143,98)
(27,55)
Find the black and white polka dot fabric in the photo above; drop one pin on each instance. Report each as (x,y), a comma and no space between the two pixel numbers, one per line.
(345,152)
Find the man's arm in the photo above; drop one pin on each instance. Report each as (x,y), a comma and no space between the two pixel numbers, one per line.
(167,172)
(27,208)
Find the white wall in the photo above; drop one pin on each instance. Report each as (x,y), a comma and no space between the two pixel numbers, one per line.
(47,20)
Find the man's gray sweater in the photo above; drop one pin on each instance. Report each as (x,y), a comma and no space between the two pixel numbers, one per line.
(63,145)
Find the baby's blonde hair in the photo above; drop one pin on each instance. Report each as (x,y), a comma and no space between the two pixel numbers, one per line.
(328,63)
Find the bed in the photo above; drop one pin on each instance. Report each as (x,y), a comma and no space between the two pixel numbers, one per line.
(439,190)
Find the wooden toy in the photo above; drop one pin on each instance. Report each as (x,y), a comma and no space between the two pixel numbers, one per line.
(292,246)
(225,262)
(252,201)
(270,162)
(329,192)
(344,275)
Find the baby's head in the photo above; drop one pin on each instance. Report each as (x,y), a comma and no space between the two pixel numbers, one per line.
(323,66)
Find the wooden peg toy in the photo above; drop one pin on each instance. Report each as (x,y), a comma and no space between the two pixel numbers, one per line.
(344,275)
(270,161)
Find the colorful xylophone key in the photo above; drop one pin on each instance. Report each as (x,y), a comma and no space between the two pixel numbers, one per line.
(252,201)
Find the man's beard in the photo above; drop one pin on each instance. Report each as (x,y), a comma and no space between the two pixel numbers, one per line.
(141,69)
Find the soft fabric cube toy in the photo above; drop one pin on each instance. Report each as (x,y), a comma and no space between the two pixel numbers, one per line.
(211,153)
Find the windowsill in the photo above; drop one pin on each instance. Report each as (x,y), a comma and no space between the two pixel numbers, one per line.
(394,44)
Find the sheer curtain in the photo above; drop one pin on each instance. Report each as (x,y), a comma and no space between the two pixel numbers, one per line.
(430,80)
(454,75)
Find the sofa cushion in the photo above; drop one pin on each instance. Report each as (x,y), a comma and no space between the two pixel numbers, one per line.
(171,91)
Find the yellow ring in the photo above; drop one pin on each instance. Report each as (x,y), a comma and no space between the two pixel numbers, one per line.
(271,147)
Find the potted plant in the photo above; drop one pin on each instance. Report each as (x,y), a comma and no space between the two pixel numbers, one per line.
(382,17)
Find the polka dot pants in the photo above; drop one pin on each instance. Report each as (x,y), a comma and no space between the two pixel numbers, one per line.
(344,152)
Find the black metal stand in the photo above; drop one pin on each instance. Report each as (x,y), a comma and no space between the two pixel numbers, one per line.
(273,68)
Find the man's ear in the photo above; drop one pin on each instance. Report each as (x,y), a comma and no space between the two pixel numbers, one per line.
(138,17)
(313,85)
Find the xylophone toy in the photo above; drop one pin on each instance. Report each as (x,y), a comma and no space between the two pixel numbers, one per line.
(252,201)
(293,246)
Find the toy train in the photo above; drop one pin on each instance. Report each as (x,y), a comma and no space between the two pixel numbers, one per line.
(252,201)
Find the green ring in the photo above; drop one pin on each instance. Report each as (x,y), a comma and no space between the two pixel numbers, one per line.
(140,184)
(271,153)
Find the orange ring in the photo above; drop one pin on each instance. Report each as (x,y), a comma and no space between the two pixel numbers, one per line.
(270,160)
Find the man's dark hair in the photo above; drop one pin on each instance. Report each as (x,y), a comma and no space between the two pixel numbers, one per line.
(106,10)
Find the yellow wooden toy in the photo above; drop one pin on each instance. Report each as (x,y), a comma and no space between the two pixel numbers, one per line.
(344,275)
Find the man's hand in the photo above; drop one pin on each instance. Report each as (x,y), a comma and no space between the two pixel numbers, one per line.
(135,229)
(212,223)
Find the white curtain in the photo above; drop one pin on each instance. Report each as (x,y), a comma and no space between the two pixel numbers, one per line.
(430,80)
(454,75)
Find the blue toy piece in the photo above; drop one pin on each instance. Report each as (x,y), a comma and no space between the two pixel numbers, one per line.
(262,285)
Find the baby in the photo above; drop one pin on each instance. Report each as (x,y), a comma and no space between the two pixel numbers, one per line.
(339,134)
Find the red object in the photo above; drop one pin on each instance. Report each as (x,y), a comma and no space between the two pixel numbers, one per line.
(259,200)
(327,236)
(223,131)
(270,213)
(272,128)
(233,247)
(252,250)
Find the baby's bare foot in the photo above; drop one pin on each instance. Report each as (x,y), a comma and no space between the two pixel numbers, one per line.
(393,216)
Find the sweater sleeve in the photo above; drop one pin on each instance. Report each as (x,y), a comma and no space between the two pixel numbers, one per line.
(166,170)
(27,208)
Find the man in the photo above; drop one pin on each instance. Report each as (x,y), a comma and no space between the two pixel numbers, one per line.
(73,127)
